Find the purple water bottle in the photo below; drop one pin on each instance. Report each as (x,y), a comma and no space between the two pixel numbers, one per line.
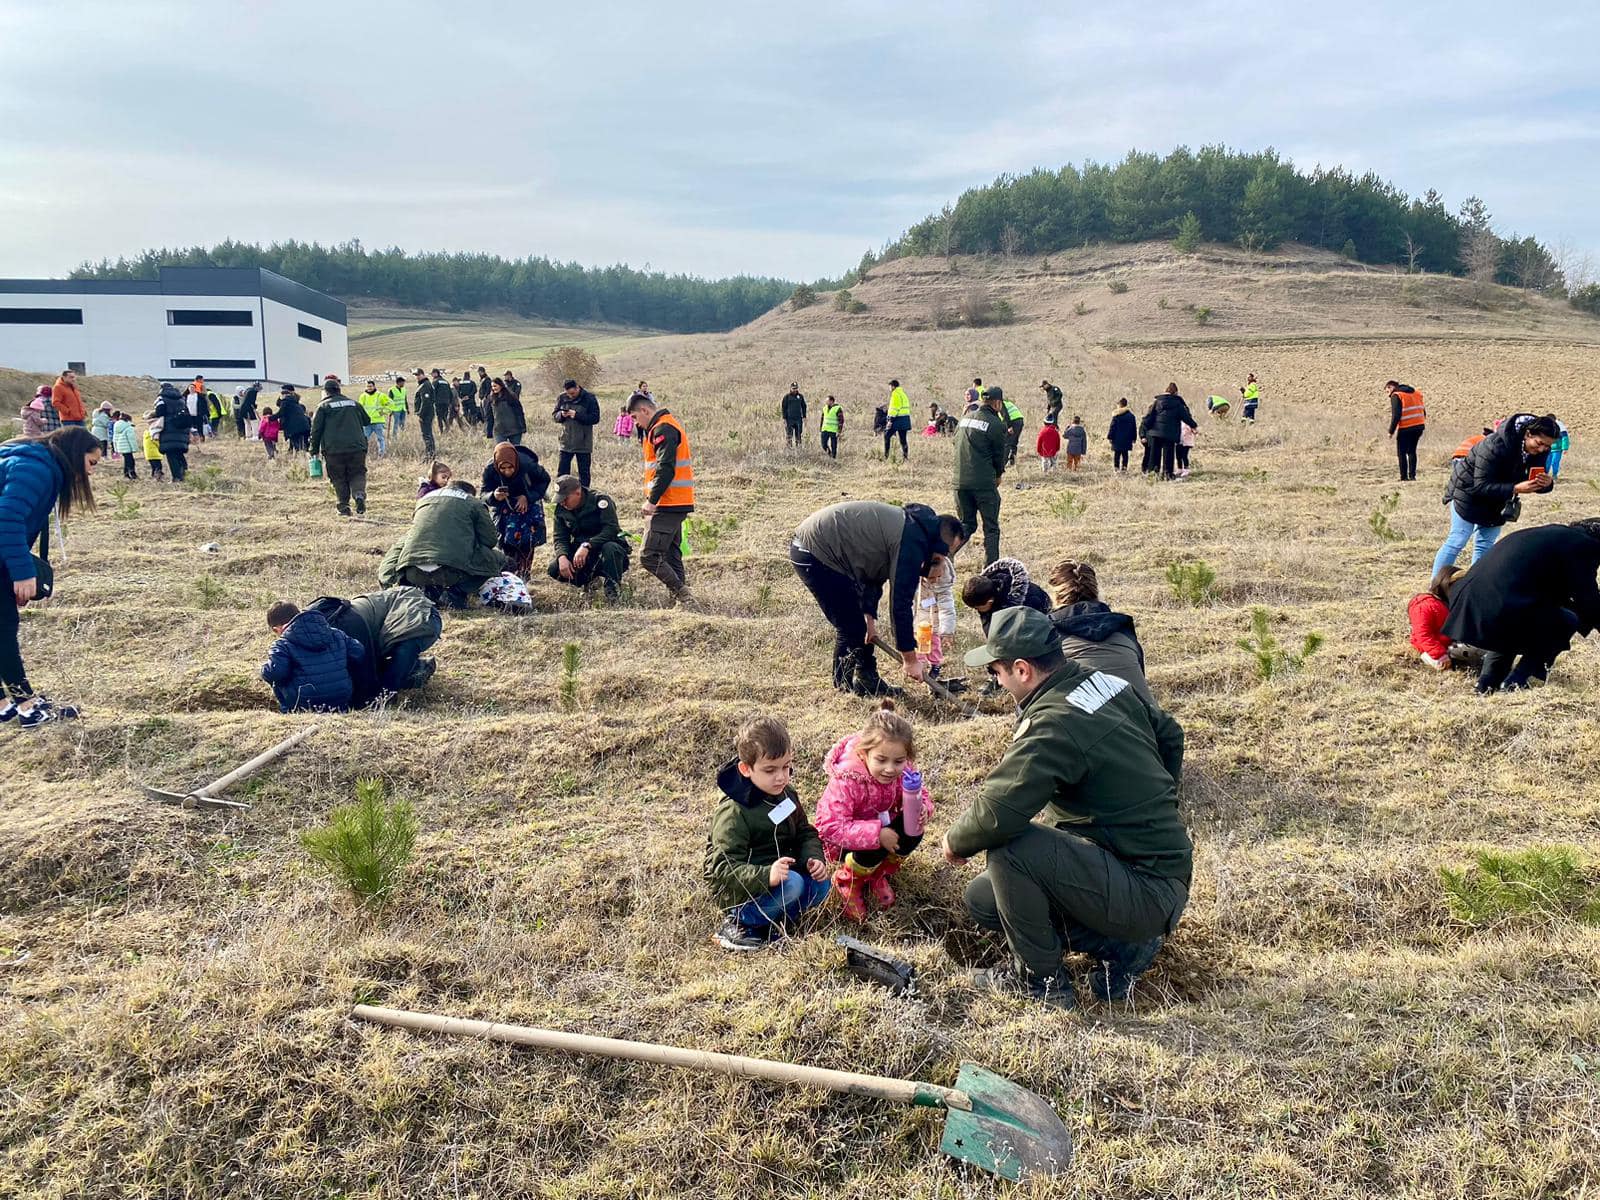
(911,802)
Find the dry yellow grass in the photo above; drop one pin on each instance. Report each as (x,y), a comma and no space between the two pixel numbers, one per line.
(173,985)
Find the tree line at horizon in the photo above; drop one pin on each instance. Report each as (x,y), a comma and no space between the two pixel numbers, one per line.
(1257,201)
(531,287)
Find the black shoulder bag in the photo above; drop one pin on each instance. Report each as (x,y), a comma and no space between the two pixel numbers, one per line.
(44,575)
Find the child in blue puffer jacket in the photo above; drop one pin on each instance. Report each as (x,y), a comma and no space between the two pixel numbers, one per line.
(309,665)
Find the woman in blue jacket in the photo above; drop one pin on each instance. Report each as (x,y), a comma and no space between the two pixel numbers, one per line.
(36,474)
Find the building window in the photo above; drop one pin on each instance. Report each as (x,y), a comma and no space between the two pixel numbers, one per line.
(77,368)
(214,364)
(210,316)
(310,332)
(41,316)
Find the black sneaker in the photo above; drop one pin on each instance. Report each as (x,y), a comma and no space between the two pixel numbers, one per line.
(1121,965)
(361,505)
(35,717)
(344,512)
(8,713)
(736,936)
(1055,990)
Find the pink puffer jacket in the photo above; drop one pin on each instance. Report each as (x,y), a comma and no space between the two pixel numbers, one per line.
(849,815)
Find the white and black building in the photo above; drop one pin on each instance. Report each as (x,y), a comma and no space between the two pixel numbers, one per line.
(230,324)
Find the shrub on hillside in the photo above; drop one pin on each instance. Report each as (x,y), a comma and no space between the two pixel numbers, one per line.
(561,363)
(1586,299)
(803,296)
(1118,287)
(1188,239)
(1202,315)
(845,302)
(1271,658)
(1192,582)
(366,845)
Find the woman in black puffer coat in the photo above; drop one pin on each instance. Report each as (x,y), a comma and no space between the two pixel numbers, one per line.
(1167,417)
(1504,467)
(1530,593)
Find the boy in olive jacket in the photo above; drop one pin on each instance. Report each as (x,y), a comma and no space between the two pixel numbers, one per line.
(764,860)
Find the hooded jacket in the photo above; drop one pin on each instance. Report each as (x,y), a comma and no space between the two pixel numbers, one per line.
(744,840)
(173,409)
(30,481)
(379,621)
(1168,415)
(577,432)
(292,417)
(981,449)
(1048,443)
(1017,589)
(531,480)
(1483,483)
(34,422)
(449,529)
(1124,431)
(877,545)
(1521,585)
(850,813)
(1076,439)
(339,426)
(68,401)
(309,665)
(1098,639)
(1093,759)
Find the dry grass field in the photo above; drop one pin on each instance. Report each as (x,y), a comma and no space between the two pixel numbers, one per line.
(174,985)
(383,338)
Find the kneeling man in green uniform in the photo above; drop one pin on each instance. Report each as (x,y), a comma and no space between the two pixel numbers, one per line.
(1106,871)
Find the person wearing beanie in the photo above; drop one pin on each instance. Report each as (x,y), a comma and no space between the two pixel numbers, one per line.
(339,435)
(293,421)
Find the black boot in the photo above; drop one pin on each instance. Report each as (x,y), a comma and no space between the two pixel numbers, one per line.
(1121,963)
(843,664)
(867,680)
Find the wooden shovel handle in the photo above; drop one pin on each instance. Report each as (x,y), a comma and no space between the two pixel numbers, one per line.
(905,1091)
(255,764)
(935,686)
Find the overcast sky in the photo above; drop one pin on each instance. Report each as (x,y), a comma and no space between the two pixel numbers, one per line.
(764,138)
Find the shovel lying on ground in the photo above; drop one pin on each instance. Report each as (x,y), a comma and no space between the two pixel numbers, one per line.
(939,690)
(206,797)
(990,1122)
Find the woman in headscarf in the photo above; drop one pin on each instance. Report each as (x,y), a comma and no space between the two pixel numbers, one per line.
(514,487)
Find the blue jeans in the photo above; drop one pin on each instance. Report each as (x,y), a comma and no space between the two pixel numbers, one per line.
(785,902)
(1461,530)
(399,420)
(376,431)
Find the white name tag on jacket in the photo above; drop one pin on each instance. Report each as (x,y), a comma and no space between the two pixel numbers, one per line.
(781,812)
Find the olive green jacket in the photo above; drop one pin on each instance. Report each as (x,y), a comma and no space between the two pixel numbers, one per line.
(981,449)
(1097,761)
(744,841)
(594,521)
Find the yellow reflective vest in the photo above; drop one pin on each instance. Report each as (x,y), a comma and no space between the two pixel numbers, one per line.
(832,418)
(374,404)
(899,403)
(1013,413)
(1252,393)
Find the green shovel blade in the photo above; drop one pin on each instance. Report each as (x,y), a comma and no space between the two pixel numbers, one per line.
(1010,1132)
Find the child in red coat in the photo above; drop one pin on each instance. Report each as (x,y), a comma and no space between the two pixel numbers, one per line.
(1427,612)
(1049,444)
(874,809)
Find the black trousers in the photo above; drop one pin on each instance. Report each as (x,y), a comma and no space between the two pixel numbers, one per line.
(830,444)
(426,420)
(11,671)
(888,439)
(581,457)
(1183,457)
(1013,437)
(348,474)
(130,467)
(662,554)
(1405,445)
(1119,460)
(1164,456)
(794,431)
(871,858)
(1544,641)
(836,595)
(609,562)
(178,464)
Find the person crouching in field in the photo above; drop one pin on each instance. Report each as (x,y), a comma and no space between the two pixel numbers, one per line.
(309,665)
(1048,444)
(874,809)
(1427,613)
(764,860)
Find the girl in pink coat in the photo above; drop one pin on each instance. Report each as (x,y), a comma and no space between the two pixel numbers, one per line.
(874,809)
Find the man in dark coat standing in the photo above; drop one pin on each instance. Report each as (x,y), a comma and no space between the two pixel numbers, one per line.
(577,412)
(1122,434)
(793,408)
(1168,415)
(173,410)
(339,435)
(982,450)
(1527,596)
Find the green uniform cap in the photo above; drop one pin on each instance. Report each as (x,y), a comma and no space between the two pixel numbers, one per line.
(1015,633)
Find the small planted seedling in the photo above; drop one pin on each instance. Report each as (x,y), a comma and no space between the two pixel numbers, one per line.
(1379,520)
(571,659)
(1271,658)
(366,845)
(1192,583)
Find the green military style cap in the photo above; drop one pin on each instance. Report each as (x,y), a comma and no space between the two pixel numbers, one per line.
(1015,633)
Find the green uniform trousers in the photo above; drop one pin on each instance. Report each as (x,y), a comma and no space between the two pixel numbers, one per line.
(347,473)
(608,562)
(662,554)
(1047,885)
(970,503)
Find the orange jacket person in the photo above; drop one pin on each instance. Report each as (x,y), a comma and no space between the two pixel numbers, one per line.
(64,395)
(668,491)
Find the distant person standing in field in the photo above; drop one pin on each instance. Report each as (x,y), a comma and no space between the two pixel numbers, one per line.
(1014,424)
(445,409)
(293,419)
(1487,485)
(173,412)
(66,398)
(1251,392)
(1408,418)
(1049,445)
(981,456)
(467,394)
(339,435)
(375,407)
(899,421)
(832,425)
(793,408)
(1168,415)
(512,383)
(396,406)
(577,412)
(505,420)
(1052,400)
(669,494)
(1076,440)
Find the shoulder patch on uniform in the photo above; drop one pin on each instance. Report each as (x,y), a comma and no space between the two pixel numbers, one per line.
(1091,695)
(1022,728)
(601,503)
